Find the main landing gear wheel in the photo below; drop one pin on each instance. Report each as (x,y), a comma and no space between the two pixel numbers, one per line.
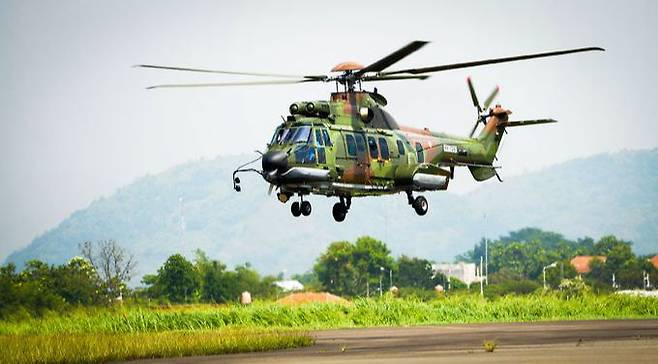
(305,208)
(340,208)
(339,211)
(420,205)
(295,209)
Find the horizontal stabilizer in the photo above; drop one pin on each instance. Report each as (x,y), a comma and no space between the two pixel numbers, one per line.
(509,124)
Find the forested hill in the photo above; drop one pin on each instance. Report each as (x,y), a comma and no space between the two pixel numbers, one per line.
(194,206)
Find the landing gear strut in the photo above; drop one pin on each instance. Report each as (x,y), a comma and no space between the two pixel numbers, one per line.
(301,208)
(419,204)
(340,208)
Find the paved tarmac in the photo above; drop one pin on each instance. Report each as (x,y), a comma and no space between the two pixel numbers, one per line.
(600,342)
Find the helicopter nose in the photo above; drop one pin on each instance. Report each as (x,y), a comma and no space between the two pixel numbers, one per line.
(275,161)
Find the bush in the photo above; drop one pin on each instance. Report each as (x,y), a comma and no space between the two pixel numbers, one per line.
(576,287)
(420,294)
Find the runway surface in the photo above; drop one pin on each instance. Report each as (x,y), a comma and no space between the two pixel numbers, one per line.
(597,342)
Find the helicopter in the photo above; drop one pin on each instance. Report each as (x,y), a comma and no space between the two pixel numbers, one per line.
(350,146)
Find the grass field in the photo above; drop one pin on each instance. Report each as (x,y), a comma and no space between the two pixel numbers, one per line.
(97,348)
(101,334)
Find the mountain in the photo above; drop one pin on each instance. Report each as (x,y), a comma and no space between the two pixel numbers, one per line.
(194,206)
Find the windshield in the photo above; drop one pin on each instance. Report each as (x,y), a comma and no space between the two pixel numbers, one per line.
(302,134)
(292,135)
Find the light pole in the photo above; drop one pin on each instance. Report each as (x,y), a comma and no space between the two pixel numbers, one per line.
(552,265)
(390,278)
(381,274)
(486,260)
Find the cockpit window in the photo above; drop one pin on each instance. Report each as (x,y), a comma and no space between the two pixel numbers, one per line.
(287,135)
(302,134)
(325,136)
(318,137)
(292,135)
(278,134)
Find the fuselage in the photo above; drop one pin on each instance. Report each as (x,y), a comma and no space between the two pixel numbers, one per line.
(350,146)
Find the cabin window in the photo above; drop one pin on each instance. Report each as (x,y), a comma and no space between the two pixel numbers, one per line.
(383,148)
(400,147)
(318,137)
(351,145)
(360,143)
(327,140)
(419,153)
(372,146)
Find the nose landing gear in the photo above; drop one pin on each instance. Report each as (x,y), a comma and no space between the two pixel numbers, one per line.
(301,208)
(340,209)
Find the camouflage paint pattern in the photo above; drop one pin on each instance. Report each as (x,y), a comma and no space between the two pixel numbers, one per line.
(363,173)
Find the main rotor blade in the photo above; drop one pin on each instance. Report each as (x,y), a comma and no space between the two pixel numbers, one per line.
(393,57)
(223,84)
(510,124)
(474,128)
(392,78)
(474,97)
(491,97)
(258,74)
(490,61)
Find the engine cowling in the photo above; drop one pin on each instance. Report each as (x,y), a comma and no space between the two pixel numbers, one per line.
(310,108)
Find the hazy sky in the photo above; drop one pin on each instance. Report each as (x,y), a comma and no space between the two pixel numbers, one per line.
(76,122)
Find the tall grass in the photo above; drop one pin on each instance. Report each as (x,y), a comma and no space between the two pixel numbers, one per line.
(97,348)
(360,313)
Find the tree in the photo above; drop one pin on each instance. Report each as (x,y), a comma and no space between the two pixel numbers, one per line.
(525,252)
(213,274)
(178,279)
(335,270)
(113,263)
(10,295)
(373,261)
(352,269)
(415,272)
(77,282)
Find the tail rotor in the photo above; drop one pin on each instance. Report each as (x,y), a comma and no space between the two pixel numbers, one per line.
(481,117)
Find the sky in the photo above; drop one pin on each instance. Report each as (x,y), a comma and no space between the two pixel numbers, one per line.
(76,122)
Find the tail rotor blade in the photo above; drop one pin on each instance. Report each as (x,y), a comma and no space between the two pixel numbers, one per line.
(491,97)
(474,97)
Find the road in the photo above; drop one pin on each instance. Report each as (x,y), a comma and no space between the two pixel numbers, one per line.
(597,342)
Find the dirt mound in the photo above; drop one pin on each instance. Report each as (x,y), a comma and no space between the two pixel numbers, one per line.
(310,297)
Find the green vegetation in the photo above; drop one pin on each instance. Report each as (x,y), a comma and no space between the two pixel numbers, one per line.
(205,280)
(489,346)
(71,313)
(355,269)
(97,348)
(516,262)
(363,312)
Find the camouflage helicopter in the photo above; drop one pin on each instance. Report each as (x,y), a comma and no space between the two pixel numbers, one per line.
(349,146)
